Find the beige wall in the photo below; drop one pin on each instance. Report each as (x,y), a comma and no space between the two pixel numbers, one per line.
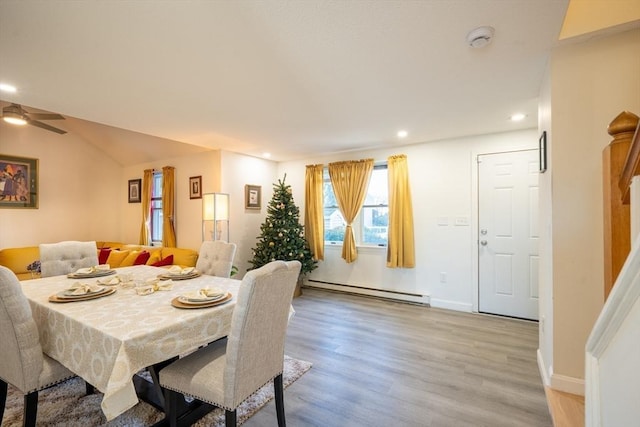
(188,213)
(591,82)
(80,190)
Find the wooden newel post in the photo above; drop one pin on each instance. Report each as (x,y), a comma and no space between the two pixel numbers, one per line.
(617,233)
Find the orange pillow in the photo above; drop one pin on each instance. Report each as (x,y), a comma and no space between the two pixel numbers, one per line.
(130,258)
(155,257)
(116,258)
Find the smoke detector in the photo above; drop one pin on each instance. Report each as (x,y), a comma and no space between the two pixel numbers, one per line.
(480,37)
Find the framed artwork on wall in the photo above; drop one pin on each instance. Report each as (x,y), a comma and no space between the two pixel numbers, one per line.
(195,187)
(252,196)
(18,182)
(135,187)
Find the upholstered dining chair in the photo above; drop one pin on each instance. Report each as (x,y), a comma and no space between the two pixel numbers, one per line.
(216,258)
(226,372)
(22,362)
(66,257)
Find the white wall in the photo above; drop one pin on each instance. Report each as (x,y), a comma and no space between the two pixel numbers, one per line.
(441,175)
(545,274)
(591,83)
(237,171)
(80,190)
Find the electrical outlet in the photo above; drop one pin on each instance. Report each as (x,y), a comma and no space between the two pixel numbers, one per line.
(443,277)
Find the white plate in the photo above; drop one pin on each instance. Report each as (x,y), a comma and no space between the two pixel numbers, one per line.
(192,298)
(69,293)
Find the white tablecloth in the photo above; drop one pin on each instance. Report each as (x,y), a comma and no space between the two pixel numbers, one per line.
(107,340)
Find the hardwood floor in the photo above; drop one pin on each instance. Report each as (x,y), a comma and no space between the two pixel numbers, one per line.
(381,363)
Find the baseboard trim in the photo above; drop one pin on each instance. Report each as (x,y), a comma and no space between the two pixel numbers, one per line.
(373,292)
(546,381)
(451,305)
(567,384)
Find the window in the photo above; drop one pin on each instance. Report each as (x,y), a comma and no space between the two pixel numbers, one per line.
(156,208)
(371,225)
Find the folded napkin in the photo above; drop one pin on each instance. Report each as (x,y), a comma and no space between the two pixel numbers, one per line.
(176,270)
(89,270)
(154,285)
(109,281)
(82,288)
(210,292)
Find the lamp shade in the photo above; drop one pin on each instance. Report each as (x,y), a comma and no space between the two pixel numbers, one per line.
(208,207)
(215,216)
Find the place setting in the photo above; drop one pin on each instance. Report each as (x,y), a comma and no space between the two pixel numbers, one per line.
(179,273)
(202,298)
(82,292)
(90,272)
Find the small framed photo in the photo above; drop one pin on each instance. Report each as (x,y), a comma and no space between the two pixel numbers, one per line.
(195,187)
(135,187)
(542,151)
(252,196)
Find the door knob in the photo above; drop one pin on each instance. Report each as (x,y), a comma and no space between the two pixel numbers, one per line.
(483,242)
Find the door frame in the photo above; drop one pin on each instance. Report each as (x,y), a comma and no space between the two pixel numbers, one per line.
(475,216)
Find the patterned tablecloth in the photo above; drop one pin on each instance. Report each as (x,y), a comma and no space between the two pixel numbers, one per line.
(107,340)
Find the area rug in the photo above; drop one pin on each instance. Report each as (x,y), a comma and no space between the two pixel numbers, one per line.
(67,405)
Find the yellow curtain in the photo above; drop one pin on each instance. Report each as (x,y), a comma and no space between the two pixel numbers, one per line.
(168,200)
(400,248)
(350,180)
(145,231)
(313,211)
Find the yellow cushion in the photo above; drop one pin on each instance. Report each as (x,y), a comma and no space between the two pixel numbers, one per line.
(116,258)
(181,256)
(17,259)
(130,259)
(112,245)
(155,257)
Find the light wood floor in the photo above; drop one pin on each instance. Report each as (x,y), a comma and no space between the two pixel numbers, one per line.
(381,363)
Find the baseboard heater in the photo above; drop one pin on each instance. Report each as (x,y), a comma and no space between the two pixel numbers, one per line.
(372,292)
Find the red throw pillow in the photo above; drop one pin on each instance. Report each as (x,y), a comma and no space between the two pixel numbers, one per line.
(165,261)
(142,258)
(104,255)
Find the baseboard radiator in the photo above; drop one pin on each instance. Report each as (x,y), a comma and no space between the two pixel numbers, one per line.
(372,292)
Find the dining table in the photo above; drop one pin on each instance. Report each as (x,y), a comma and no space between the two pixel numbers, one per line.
(107,340)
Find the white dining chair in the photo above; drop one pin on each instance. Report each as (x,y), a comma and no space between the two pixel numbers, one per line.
(216,258)
(22,362)
(226,372)
(66,257)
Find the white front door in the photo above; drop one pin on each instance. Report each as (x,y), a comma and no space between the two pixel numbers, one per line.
(508,234)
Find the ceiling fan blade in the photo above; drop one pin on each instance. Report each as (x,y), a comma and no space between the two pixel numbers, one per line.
(46,127)
(44,116)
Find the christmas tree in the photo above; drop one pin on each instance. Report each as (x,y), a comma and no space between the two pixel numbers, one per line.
(281,235)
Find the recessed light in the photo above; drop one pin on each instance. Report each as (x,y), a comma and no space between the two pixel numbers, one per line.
(266,155)
(517,117)
(402,134)
(5,87)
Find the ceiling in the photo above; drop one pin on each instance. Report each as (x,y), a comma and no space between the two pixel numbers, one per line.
(293,78)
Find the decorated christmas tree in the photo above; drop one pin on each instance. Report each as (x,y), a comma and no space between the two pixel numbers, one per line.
(281,235)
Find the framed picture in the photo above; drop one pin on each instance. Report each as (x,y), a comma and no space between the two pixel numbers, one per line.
(542,151)
(195,187)
(18,182)
(252,196)
(135,187)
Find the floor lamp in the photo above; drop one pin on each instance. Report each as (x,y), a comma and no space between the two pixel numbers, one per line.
(215,216)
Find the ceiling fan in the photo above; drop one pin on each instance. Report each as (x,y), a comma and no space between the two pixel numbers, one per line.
(16,115)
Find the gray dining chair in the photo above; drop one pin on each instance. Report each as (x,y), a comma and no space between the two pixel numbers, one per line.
(216,258)
(226,372)
(66,257)
(22,362)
